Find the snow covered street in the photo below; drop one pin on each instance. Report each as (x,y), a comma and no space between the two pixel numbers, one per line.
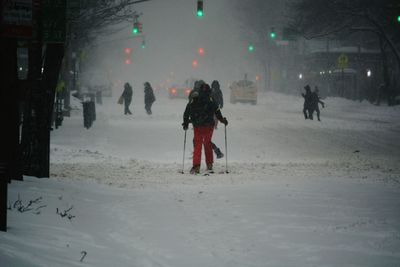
(299,192)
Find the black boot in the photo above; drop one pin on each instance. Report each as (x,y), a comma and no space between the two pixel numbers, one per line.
(210,168)
(219,153)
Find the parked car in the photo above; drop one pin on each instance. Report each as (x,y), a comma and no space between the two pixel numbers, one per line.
(243,91)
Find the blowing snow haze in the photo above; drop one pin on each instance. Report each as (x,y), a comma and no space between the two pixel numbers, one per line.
(306,172)
(173,36)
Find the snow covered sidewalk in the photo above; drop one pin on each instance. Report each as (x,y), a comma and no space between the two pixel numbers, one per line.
(282,221)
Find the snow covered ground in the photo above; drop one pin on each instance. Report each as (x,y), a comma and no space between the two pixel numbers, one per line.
(299,193)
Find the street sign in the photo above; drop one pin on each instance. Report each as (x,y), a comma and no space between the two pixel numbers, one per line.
(342,61)
(17,19)
(54,21)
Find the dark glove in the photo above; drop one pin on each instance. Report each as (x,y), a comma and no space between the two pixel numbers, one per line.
(224,121)
(185,126)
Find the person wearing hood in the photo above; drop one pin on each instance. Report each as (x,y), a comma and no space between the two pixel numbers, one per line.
(149,97)
(307,106)
(200,112)
(315,101)
(196,88)
(216,94)
(126,98)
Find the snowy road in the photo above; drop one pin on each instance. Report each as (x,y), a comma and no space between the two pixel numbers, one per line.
(300,193)
(271,138)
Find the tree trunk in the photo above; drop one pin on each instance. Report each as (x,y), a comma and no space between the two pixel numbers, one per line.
(9,117)
(52,66)
(33,101)
(29,140)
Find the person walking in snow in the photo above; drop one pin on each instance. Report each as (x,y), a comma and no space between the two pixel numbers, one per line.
(200,112)
(315,101)
(126,98)
(149,97)
(217,94)
(218,97)
(307,106)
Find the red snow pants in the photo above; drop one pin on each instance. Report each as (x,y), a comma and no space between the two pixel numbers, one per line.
(202,136)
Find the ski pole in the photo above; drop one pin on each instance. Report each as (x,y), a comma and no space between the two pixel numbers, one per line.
(226,153)
(184,148)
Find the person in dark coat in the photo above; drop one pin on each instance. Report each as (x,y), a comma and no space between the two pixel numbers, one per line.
(196,89)
(127,96)
(149,97)
(307,107)
(200,112)
(315,101)
(218,97)
(217,94)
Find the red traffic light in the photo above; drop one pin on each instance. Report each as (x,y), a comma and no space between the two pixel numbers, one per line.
(194,63)
(128,61)
(201,51)
(128,50)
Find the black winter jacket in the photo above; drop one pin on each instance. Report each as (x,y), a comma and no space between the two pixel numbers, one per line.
(200,111)
(217,96)
(315,100)
(149,97)
(127,93)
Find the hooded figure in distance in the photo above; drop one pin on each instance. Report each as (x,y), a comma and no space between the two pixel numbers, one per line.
(127,98)
(149,97)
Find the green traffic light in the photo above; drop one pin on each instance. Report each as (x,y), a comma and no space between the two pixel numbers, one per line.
(135,31)
(398,18)
(251,48)
(272,35)
(199,8)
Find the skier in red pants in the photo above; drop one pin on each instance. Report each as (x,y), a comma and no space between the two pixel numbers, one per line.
(200,112)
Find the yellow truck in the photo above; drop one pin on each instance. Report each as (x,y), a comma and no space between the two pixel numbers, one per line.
(243,91)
